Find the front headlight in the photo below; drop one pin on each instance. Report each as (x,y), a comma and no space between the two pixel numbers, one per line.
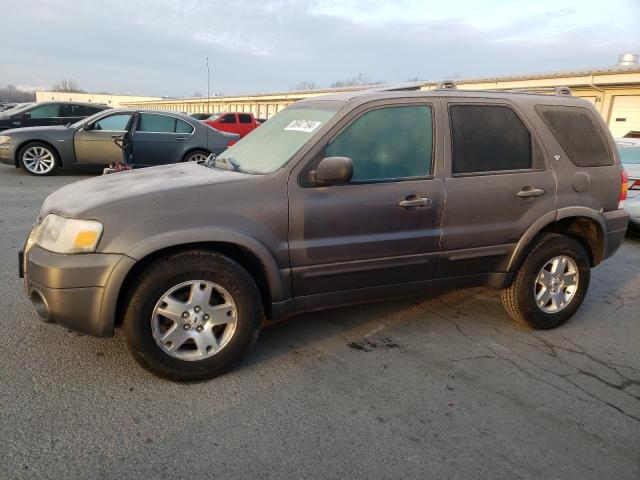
(67,235)
(4,139)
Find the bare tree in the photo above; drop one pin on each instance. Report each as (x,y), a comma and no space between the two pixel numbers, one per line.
(358,80)
(67,85)
(305,85)
(12,94)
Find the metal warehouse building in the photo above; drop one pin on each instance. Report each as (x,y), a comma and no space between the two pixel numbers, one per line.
(615,91)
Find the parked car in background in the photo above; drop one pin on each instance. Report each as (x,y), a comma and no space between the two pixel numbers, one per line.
(233,122)
(156,138)
(11,106)
(629,148)
(47,114)
(335,200)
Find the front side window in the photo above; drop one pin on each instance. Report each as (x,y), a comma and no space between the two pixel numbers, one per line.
(49,110)
(113,123)
(488,138)
(581,139)
(387,143)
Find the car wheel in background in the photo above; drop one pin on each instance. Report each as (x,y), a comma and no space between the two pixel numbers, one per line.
(192,315)
(551,283)
(198,156)
(37,158)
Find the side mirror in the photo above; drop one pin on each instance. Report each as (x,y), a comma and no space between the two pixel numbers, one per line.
(26,115)
(332,171)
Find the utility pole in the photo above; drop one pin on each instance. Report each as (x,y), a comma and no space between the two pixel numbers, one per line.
(208,87)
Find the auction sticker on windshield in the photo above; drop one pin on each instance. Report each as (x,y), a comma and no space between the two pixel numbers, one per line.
(303,125)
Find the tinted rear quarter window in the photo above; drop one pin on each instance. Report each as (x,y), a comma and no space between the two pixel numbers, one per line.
(581,138)
(488,138)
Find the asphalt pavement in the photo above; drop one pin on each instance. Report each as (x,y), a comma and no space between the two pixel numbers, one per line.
(433,387)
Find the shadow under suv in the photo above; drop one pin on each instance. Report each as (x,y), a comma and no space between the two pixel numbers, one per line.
(336,200)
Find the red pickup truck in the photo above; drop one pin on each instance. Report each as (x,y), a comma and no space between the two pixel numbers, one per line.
(234,122)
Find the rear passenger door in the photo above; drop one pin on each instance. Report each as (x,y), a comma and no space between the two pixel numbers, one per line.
(498,184)
(159,139)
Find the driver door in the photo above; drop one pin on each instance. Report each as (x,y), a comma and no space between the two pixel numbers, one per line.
(95,143)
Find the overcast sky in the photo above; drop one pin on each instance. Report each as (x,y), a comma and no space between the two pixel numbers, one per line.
(158,47)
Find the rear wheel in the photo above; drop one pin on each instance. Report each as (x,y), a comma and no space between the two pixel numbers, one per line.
(192,315)
(198,156)
(37,158)
(550,285)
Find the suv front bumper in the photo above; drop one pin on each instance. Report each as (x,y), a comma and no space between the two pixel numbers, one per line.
(79,292)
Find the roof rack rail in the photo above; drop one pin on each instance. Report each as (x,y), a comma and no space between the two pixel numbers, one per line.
(562,90)
(447,85)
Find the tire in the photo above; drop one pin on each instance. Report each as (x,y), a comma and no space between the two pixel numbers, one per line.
(198,156)
(38,159)
(536,299)
(189,360)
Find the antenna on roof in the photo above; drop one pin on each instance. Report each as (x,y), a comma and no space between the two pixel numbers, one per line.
(447,85)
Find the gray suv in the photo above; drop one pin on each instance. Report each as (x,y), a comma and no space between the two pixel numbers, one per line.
(336,200)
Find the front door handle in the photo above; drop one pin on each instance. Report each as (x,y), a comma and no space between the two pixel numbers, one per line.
(414,201)
(117,135)
(180,139)
(528,192)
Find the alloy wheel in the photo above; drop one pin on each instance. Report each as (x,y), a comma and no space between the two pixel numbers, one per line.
(556,284)
(38,160)
(194,320)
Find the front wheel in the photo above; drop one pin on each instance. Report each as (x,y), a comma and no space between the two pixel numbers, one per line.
(192,315)
(38,159)
(550,285)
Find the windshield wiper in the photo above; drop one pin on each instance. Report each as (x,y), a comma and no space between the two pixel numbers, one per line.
(229,163)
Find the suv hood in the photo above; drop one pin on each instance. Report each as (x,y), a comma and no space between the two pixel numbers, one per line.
(80,198)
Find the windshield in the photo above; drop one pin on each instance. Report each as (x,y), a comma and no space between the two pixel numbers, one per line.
(630,155)
(272,144)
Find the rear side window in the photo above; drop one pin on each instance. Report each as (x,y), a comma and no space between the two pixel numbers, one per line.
(156,123)
(244,118)
(581,139)
(387,143)
(70,110)
(229,118)
(488,138)
(183,127)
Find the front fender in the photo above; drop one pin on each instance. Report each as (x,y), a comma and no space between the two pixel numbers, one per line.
(280,289)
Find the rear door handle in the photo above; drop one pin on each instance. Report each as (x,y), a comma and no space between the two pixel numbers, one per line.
(116,136)
(414,201)
(180,139)
(528,192)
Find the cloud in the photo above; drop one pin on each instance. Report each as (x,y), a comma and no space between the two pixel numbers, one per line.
(158,47)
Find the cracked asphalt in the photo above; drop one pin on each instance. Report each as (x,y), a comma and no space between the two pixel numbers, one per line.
(433,387)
